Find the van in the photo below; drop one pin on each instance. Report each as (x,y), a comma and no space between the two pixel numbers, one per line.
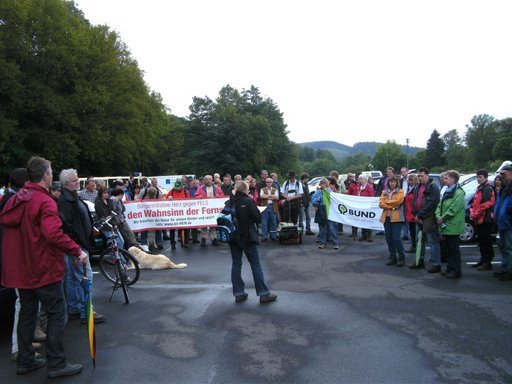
(374,174)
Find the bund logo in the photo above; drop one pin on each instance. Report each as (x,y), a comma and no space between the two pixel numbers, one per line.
(355,212)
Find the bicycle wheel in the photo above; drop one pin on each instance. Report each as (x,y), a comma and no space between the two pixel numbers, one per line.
(107,264)
(121,273)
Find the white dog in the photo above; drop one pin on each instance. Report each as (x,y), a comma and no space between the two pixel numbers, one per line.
(153,261)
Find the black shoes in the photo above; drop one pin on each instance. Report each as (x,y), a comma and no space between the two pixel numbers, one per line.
(240,298)
(68,370)
(310,233)
(391,261)
(215,243)
(434,269)
(421,265)
(401,262)
(36,364)
(477,264)
(453,275)
(268,298)
(411,250)
(507,276)
(203,242)
(173,246)
(485,267)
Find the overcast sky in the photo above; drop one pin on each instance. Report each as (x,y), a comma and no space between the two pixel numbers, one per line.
(345,71)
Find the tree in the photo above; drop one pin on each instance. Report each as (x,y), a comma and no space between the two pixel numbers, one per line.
(435,155)
(240,132)
(478,137)
(456,154)
(389,155)
(502,149)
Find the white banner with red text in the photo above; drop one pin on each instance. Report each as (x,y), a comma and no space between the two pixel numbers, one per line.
(144,215)
(357,211)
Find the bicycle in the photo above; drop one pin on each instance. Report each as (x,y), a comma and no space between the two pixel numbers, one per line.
(117,264)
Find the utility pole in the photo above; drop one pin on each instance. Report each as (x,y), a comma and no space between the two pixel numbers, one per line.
(407,158)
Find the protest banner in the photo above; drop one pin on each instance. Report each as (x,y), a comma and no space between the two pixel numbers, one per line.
(144,215)
(357,211)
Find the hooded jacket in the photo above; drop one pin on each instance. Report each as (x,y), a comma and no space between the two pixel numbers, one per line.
(34,246)
(248,217)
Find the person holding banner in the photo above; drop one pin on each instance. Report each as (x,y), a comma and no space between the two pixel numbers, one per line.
(391,202)
(324,224)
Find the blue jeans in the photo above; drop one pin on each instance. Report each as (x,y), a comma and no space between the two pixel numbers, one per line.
(393,233)
(158,238)
(268,218)
(75,295)
(251,251)
(435,249)
(304,212)
(505,246)
(120,240)
(332,228)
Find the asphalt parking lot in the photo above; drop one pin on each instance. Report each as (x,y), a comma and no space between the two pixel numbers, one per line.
(341,317)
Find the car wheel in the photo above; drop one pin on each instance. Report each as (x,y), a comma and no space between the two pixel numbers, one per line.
(469,232)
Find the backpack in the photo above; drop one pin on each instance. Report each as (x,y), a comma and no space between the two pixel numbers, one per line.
(227,222)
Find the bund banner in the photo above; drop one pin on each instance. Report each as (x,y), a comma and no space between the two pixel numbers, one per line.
(357,211)
(143,215)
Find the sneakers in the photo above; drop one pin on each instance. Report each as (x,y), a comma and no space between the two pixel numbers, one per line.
(321,246)
(240,298)
(36,364)
(336,247)
(268,298)
(68,370)
(97,318)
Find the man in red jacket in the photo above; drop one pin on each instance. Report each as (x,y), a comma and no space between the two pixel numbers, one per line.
(33,248)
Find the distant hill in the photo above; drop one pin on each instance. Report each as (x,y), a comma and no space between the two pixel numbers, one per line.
(341,151)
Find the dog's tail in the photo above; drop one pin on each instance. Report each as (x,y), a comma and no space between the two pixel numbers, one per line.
(178,266)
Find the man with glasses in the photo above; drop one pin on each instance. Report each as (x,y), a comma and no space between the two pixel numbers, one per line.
(503,218)
(424,204)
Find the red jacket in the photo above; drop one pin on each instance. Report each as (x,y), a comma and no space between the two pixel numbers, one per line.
(178,194)
(409,215)
(201,193)
(481,210)
(34,243)
(355,190)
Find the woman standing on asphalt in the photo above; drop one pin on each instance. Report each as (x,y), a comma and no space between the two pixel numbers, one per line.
(393,219)
(247,217)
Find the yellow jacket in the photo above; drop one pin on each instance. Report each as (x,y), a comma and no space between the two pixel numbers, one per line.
(392,205)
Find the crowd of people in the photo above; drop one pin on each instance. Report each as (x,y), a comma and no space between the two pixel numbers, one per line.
(48,233)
